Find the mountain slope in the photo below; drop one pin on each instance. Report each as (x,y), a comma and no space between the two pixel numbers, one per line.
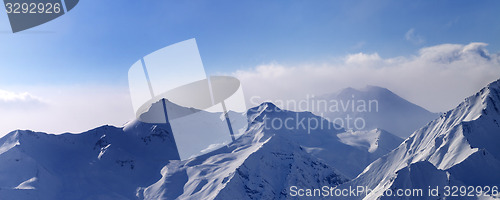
(259,165)
(321,138)
(269,172)
(377,142)
(268,159)
(263,170)
(379,107)
(126,163)
(106,162)
(463,142)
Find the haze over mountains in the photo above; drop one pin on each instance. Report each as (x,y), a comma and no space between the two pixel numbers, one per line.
(378,107)
(111,162)
(140,161)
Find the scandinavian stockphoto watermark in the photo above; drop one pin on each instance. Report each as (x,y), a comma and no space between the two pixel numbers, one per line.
(334,114)
(26,14)
(169,87)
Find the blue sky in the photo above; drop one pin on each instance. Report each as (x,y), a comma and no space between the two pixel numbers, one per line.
(83,57)
(99,40)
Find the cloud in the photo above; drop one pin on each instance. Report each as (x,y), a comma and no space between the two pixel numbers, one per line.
(413,37)
(13,100)
(358,45)
(64,108)
(362,59)
(437,77)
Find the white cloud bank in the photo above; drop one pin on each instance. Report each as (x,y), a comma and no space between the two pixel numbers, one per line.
(437,78)
(59,109)
(24,100)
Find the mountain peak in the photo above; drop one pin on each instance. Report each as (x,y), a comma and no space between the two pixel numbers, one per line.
(374,88)
(377,107)
(463,142)
(485,101)
(495,84)
(367,89)
(268,106)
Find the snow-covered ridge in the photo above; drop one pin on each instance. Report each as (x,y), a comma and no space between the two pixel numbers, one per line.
(106,162)
(140,160)
(256,166)
(463,142)
(264,163)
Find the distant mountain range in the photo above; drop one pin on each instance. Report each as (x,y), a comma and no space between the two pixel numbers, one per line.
(377,107)
(140,161)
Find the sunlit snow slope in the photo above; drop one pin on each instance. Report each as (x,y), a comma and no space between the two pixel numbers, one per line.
(140,160)
(103,163)
(266,161)
(461,148)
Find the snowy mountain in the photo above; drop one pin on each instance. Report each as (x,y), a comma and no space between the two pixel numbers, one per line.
(256,166)
(378,107)
(195,131)
(265,161)
(323,139)
(279,149)
(461,148)
(140,160)
(377,142)
(103,163)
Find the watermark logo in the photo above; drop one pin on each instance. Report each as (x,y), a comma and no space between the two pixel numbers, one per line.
(26,14)
(169,86)
(329,114)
